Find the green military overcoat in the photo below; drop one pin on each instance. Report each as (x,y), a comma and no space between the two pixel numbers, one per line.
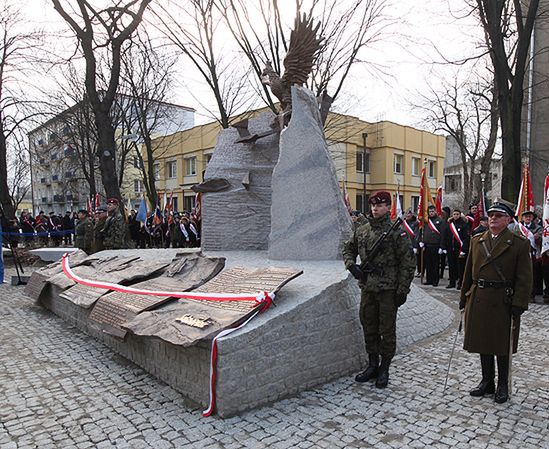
(487,310)
(83,235)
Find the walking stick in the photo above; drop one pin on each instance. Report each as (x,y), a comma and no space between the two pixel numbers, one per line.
(452,353)
(511,344)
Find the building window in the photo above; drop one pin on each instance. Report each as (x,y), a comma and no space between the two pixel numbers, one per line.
(188,203)
(66,130)
(415,203)
(136,162)
(362,161)
(432,169)
(55,177)
(40,142)
(399,158)
(137,186)
(453,183)
(208,158)
(172,169)
(190,166)
(156,168)
(415,166)
(174,201)
(53,157)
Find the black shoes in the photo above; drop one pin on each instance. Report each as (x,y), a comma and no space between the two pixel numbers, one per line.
(486,385)
(383,375)
(502,392)
(451,285)
(372,371)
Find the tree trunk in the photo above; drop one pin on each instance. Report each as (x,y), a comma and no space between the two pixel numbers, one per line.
(5,199)
(106,155)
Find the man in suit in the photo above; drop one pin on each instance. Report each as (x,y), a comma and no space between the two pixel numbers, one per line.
(495,292)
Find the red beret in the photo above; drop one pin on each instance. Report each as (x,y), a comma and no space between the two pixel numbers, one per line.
(380,197)
(112,201)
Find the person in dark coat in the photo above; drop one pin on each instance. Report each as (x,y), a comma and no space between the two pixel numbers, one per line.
(482,227)
(68,224)
(458,247)
(495,292)
(27,226)
(433,240)
(83,236)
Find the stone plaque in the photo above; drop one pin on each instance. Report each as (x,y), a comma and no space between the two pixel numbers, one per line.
(184,273)
(186,321)
(40,277)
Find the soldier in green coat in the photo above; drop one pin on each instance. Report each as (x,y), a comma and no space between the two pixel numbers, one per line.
(494,294)
(114,231)
(83,232)
(385,289)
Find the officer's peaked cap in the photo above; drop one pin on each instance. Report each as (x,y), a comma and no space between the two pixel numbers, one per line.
(502,208)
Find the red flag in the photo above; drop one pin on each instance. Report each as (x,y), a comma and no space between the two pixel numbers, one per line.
(525,200)
(89,206)
(394,208)
(424,198)
(438,203)
(97,201)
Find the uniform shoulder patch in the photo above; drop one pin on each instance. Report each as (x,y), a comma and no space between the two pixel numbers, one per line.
(403,234)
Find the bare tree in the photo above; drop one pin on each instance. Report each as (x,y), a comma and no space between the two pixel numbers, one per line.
(346,26)
(467,111)
(147,78)
(16,57)
(508,26)
(101,34)
(193,28)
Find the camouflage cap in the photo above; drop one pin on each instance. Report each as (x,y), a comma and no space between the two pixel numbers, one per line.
(112,201)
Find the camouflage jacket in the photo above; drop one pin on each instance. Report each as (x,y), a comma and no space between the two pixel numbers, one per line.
(394,264)
(83,235)
(114,232)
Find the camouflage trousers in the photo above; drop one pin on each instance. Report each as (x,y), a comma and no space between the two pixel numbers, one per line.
(378,317)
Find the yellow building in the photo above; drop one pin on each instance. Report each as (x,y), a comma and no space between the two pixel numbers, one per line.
(367,156)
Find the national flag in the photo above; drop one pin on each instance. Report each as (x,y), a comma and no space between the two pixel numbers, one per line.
(165,201)
(424,197)
(525,203)
(346,199)
(198,206)
(526,196)
(142,212)
(97,201)
(89,206)
(157,219)
(438,202)
(396,208)
(545,224)
(481,209)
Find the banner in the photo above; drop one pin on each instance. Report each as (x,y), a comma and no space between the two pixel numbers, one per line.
(424,197)
(346,199)
(525,200)
(438,202)
(545,224)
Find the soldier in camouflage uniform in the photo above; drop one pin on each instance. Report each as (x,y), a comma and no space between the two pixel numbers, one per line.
(384,290)
(114,231)
(83,232)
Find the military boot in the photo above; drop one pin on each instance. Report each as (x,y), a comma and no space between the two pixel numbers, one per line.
(502,392)
(371,371)
(486,385)
(383,375)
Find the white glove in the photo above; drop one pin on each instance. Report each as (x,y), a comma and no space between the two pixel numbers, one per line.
(421,244)
(444,251)
(440,251)
(415,250)
(462,254)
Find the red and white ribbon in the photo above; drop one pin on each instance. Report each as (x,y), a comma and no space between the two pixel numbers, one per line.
(433,227)
(456,236)
(408,228)
(262,301)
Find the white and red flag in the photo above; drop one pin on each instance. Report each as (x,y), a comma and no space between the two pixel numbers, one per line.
(545,235)
(396,207)
(346,198)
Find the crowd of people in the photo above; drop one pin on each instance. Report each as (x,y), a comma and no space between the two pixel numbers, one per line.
(444,242)
(103,228)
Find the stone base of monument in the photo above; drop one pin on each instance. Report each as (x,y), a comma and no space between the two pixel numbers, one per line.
(310,336)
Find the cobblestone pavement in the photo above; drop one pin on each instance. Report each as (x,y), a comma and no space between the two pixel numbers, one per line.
(60,388)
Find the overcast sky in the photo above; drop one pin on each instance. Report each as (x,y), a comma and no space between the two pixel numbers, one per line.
(397,69)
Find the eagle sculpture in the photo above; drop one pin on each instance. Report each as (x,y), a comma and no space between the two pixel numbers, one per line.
(298,63)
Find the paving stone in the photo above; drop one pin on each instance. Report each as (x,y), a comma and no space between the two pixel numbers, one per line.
(64,390)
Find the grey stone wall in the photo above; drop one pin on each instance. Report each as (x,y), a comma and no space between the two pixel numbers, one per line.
(240,218)
(309,220)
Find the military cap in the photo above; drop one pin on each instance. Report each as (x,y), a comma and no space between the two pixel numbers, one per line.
(502,208)
(355,213)
(112,201)
(431,207)
(380,197)
(83,211)
(100,209)
(528,212)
